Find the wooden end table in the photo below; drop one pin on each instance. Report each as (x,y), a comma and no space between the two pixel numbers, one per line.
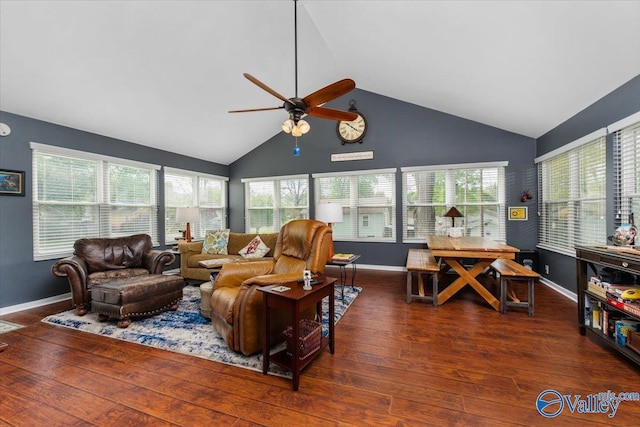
(295,301)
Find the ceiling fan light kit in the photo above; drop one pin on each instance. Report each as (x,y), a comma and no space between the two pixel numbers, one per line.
(310,104)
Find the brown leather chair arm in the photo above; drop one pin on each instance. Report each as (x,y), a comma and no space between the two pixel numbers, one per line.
(155,260)
(272,279)
(75,270)
(234,274)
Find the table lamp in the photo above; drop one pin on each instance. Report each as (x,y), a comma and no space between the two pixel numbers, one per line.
(453,213)
(187,215)
(329,213)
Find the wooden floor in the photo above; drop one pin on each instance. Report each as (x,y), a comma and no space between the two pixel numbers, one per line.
(395,364)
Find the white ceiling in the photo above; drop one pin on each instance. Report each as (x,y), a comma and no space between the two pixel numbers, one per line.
(164,73)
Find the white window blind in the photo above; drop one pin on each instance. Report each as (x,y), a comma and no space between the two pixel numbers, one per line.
(477,191)
(368,200)
(77,195)
(271,202)
(184,189)
(572,198)
(627,174)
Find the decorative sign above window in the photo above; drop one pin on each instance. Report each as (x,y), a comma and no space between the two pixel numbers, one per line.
(347,157)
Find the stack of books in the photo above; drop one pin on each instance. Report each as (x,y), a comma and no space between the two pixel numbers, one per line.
(343,257)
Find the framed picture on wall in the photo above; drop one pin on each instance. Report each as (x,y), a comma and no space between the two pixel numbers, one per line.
(11,182)
(518,214)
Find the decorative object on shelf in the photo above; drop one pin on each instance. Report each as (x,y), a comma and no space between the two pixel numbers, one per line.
(329,213)
(625,235)
(353,131)
(11,182)
(526,196)
(310,104)
(187,215)
(453,213)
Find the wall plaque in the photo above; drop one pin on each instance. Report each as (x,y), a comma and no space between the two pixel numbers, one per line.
(347,157)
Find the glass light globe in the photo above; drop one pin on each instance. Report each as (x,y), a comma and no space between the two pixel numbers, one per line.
(304,126)
(296,131)
(288,125)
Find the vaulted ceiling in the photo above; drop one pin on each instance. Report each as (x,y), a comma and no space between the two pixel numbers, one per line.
(165,73)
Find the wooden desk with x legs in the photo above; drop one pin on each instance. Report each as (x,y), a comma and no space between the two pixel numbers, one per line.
(452,250)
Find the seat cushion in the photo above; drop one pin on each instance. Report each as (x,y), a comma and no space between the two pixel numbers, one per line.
(102,277)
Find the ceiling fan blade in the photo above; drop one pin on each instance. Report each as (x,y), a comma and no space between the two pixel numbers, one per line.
(330,92)
(331,114)
(266,88)
(256,109)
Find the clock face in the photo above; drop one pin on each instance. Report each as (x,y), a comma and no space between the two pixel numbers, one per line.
(350,132)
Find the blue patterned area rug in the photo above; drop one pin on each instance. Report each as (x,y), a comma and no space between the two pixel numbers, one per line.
(186,331)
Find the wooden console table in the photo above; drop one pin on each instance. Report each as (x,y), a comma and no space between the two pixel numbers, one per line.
(295,301)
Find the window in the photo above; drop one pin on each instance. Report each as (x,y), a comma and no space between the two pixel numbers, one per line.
(368,200)
(184,189)
(626,142)
(572,199)
(274,201)
(78,194)
(476,190)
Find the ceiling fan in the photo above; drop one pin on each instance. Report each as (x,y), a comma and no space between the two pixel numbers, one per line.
(310,104)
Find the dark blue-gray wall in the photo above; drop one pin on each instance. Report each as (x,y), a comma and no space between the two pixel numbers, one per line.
(399,134)
(22,279)
(617,105)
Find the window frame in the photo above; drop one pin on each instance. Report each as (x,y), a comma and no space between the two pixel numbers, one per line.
(449,171)
(353,204)
(101,202)
(199,228)
(276,208)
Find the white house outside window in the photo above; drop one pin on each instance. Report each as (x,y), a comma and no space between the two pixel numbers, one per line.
(476,190)
(82,195)
(572,195)
(194,189)
(368,200)
(271,202)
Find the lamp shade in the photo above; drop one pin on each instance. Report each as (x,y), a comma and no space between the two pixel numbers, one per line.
(187,214)
(329,213)
(453,213)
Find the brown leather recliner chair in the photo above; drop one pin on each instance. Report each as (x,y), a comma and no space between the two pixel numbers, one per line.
(236,304)
(102,260)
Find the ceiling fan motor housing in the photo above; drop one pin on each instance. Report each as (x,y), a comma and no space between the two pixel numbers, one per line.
(296,108)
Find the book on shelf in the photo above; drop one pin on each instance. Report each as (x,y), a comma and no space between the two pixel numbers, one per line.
(341,257)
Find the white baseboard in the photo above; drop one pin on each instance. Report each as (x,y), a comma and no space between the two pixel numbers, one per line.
(33,304)
(559,289)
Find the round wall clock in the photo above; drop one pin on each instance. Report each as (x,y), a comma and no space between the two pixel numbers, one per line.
(354,131)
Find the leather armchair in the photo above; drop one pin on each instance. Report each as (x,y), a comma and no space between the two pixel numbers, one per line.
(236,304)
(102,260)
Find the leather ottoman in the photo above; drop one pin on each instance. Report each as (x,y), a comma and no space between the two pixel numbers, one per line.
(137,296)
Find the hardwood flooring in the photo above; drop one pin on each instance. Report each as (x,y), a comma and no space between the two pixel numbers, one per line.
(395,363)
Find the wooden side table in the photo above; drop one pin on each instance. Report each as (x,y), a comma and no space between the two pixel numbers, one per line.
(295,301)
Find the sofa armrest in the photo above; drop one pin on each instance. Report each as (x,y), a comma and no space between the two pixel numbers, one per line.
(75,270)
(185,247)
(235,273)
(155,260)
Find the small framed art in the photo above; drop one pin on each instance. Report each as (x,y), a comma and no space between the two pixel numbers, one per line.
(518,214)
(11,183)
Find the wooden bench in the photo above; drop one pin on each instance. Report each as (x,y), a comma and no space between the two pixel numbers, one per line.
(422,261)
(511,270)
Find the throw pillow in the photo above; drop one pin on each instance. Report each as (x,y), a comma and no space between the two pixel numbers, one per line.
(215,242)
(255,249)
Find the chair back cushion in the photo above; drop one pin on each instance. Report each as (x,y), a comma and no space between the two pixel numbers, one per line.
(112,254)
(302,244)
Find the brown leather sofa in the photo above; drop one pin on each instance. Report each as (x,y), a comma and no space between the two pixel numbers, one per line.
(236,304)
(191,254)
(101,260)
